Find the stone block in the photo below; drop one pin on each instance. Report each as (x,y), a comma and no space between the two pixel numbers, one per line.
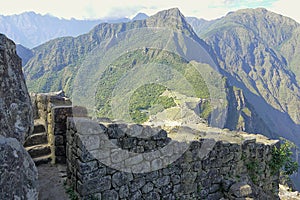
(59,140)
(60,151)
(121,178)
(86,167)
(94,185)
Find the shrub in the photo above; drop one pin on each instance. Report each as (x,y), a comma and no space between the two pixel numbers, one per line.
(282,158)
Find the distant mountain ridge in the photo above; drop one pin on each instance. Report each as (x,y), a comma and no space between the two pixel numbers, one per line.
(31,29)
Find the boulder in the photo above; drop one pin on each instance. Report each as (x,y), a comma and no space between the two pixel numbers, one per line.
(15,104)
(18,174)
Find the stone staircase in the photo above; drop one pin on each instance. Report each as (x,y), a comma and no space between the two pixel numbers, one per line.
(37,144)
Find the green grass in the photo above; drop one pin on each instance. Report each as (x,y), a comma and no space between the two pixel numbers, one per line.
(145,98)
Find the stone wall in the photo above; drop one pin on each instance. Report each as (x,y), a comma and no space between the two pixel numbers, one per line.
(52,110)
(57,132)
(127,161)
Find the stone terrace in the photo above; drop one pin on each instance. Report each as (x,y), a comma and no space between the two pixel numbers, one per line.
(129,161)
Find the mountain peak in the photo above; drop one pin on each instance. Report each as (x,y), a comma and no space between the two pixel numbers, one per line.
(140,16)
(168,18)
(172,19)
(172,12)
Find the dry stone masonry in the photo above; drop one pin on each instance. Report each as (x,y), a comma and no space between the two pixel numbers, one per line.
(110,160)
(48,141)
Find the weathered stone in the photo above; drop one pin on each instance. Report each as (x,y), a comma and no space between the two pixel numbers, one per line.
(18,174)
(136,196)
(152,196)
(98,173)
(124,191)
(167,188)
(241,189)
(110,195)
(121,178)
(58,160)
(188,177)
(175,179)
(134,160)
(162,181)
(86,167)
(147,188)
(215,196)
(157,164)
(94,185)
(16,115)
(59,140)
(214,188)
(119,155)
(141,167)
(60,150)
(137,184)
(169,197)
(191,176)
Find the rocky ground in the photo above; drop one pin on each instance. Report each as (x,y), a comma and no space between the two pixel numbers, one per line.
(285,194)
(51,182)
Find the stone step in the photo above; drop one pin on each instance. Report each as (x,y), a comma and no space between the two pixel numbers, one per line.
(39,126)
(42,160)
(36,139)
(38,150)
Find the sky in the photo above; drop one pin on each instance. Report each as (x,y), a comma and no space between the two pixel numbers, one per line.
(101,9)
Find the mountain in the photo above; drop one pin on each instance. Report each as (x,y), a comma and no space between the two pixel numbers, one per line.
(248,45)
(31,29)
(248,60)
(198,24)
(257,51)
(24,53)
(140,16)
(63,56)
(245,54)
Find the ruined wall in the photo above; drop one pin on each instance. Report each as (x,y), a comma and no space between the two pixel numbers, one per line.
(122,161)
(51,110)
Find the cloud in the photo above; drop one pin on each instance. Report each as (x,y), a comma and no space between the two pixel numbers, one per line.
(287,8)
(84,9)
(237,4)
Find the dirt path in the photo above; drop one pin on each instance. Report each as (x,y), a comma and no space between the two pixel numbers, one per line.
(51,182)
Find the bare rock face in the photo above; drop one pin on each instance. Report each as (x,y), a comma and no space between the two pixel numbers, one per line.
(18,174)
(15,105)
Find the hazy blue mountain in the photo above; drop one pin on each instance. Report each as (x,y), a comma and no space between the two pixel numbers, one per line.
(140,16)
(24,53)
(199,24)
(31,29)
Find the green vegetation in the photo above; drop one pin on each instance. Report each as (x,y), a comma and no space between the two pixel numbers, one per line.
(253,170)
(205,110)
(70,190)
(145,98)
(282,160)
